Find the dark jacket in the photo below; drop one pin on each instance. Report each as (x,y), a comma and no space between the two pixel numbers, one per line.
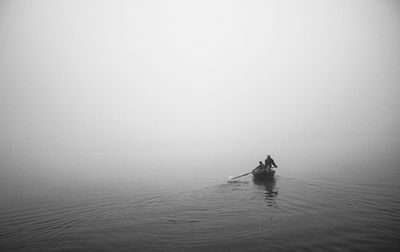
(270,162)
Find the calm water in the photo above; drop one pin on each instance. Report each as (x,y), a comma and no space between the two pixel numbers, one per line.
(342,211)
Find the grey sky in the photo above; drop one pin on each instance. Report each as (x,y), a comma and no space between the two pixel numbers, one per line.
(89,85)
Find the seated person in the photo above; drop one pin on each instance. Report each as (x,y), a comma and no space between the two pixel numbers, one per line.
(259,168)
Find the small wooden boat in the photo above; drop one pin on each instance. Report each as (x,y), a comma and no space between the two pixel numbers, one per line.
(263,174)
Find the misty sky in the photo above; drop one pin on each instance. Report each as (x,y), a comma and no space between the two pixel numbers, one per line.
(89,86)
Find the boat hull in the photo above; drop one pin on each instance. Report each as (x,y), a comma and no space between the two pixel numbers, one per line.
(263,175)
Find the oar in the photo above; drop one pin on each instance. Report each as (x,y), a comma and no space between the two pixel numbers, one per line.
(240,176)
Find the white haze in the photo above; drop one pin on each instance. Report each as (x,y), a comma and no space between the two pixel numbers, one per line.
(98,90)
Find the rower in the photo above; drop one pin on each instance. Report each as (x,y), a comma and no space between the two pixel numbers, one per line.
(260,167)
(269,163)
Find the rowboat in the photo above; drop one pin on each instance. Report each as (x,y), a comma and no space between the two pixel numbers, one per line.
(259,174)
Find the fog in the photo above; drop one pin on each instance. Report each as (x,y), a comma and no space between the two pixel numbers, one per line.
(118,90)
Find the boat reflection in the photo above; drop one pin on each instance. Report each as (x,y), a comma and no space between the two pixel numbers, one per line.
(271,191)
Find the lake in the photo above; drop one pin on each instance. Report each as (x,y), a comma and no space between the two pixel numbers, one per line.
(351,209)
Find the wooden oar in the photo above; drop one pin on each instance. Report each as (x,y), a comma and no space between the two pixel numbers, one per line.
(241,175)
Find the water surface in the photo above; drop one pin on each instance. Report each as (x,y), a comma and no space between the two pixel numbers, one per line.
(353,212)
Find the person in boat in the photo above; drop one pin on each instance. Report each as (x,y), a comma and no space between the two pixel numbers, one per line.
(269,163)
(260,167)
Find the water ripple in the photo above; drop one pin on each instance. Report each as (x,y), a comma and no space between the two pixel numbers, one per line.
(311,214)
